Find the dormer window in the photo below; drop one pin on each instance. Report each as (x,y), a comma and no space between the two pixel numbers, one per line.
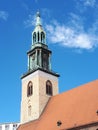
(29,89)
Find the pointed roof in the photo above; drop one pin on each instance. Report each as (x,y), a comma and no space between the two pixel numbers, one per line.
(38,26)
(73,108)
(38,34)
(38,20)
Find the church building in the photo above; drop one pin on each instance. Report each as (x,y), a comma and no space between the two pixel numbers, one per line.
(42,107)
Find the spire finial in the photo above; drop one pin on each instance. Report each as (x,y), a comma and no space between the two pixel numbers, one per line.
(38,14)
(38,20)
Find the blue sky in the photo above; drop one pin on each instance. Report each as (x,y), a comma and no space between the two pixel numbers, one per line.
(72,35)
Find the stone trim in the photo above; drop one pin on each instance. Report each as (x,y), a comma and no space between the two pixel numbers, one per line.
(41,74)
(46,71)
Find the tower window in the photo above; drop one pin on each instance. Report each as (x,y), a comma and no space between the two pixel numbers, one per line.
(38,36)
(45,61)
(34,37)
(30,89)
(29,110)
(49,88)
(42,37)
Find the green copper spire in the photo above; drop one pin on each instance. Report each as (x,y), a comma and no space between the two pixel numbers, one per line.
(38,20)
(38,34)
(39,55)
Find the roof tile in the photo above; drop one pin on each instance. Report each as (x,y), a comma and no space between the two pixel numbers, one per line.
(72,108)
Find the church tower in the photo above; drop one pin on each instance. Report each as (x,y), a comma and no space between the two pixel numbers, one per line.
(40,82)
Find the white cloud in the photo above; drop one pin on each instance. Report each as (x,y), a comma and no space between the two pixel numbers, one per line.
(83,5)
(30,21)
(3,15)
(72,35)
(90,3)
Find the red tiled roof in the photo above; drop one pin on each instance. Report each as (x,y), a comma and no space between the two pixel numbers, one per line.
(73,108)
(28,126)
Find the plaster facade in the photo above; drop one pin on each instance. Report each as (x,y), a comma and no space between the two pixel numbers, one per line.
(39,98)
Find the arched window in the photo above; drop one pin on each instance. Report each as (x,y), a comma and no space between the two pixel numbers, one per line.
(49,88)
(34,37)
(42,37)
(29,110)
(38,36)
(30,89)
